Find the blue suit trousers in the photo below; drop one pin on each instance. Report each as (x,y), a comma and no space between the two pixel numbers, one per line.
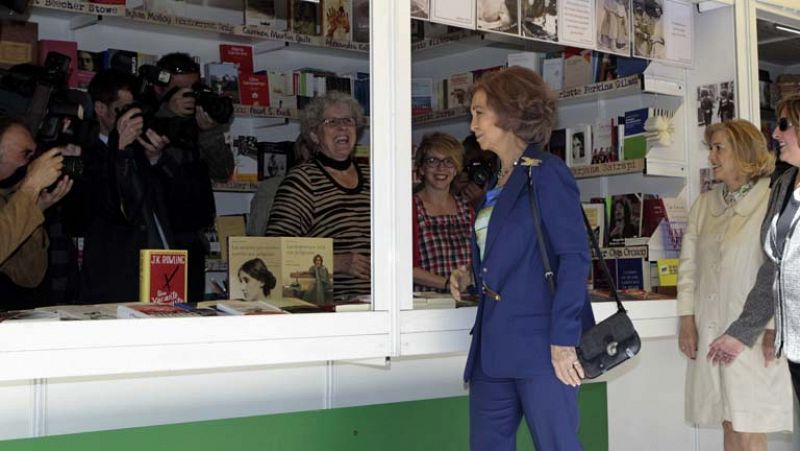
(496,406)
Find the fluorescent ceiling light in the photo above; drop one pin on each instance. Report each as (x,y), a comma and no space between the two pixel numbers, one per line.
(787,29)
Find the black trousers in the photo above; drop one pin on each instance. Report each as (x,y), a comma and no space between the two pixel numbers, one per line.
(794,370)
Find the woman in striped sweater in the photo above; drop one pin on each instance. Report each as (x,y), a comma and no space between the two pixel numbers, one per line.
(329,196)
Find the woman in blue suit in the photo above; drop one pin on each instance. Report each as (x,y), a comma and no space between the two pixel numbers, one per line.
(522,360)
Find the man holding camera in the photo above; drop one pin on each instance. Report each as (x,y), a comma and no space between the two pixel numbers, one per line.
(203,159)
(24,195)
(127,175)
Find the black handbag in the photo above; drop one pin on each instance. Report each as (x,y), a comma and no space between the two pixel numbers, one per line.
(611,341)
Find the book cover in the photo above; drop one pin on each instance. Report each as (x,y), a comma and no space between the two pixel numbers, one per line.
(82,312)
(162,276)
(596,214)
(272,14)
(273,159)
(88,65)
(306,17)
(603,150)
(630,273)
(652,213)
(336,23)
(240,56)
(67,48)
(577,67)
(236,307)
(253,89)
(18,42)
(625,218)
(668,272)
(558,143)
(227,226)
(361,21)
(420,9)
(262,268)
(28,315)
(421,96)
(635,145)
(459,13)
(553,72)
(223,78)
(121,60)
(579,141)
(528,60)
(152,311)
(245,154)
(599,280)
(458,89)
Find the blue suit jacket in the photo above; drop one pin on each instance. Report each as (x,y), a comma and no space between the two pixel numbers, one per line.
(515,333)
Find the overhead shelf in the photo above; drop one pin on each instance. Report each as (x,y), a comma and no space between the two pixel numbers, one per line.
(118,14)
(627,86)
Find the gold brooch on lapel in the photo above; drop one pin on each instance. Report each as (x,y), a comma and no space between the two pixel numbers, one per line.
(529,162)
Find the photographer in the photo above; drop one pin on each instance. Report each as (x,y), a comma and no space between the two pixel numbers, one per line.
(127,174)
(203,159)
(23,198)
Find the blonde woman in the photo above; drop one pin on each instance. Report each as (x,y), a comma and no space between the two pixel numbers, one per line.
(720,257)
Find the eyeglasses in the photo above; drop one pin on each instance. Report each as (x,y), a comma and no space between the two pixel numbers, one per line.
(335,122)
(784,124)
(433,162)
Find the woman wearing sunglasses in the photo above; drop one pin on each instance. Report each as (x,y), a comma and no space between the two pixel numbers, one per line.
(328,196)
(776,293)
(442,222)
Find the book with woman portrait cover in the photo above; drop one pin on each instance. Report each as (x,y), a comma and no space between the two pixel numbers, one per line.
(296,267)
(163,276)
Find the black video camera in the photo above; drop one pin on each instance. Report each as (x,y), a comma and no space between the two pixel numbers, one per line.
(53,112)
(480,172)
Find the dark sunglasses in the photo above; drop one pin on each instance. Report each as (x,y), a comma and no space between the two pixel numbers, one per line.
(784,124)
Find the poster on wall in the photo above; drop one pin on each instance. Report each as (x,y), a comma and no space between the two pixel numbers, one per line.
(576,18)
(613,20)
(680,32)
(538,19)
(499,16)
(459,13)
(715,103)
(420,9)
(648,29)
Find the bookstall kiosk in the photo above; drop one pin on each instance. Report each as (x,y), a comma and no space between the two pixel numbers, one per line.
(78,377)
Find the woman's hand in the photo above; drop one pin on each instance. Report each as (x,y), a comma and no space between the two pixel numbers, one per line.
(357,265)
(724,349)
(460,279)
(687,338)
(566,364)
(768,346)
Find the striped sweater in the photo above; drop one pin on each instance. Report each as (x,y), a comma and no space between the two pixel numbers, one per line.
(310,203)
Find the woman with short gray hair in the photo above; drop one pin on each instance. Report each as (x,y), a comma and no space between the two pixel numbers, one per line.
(329,195)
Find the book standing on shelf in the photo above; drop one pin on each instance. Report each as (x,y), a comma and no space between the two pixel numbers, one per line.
(306,17)
(579,144)
(18,42)
(458,86)
(239,55)
(336,23)
(361,21)
(163,276)
(253,89)
(223,79)
(273,159)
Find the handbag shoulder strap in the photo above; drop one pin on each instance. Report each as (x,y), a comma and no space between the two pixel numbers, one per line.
(548,270)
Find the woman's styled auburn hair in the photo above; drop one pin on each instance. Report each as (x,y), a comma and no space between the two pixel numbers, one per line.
(522,102)
(749,147)
(790,106)
(444,143)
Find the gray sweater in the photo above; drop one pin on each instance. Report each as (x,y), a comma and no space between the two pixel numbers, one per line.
(777,288)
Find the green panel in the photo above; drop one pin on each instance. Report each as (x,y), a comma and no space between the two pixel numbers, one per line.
(435,424)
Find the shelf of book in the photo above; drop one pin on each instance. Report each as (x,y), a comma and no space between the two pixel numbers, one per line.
(627,86)
(119,15)
(644,166)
